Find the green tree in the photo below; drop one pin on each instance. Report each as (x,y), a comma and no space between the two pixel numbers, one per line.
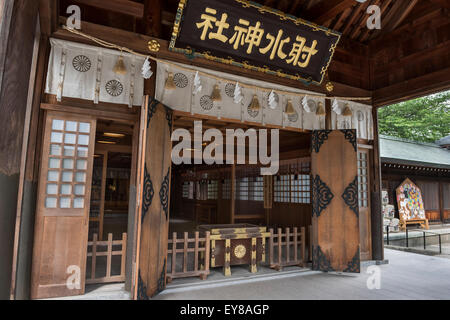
(424,119)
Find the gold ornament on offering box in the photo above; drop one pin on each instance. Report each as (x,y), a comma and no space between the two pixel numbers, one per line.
(240,251)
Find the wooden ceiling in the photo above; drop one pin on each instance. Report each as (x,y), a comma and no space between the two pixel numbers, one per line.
(406,58)
(346,16)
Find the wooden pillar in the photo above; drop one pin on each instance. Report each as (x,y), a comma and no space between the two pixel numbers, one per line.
(328,115)
(441,201)
(376,211)
(152,27)
(233,191)
(152,17)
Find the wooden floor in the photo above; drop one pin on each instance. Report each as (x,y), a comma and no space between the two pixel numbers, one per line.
(408,276)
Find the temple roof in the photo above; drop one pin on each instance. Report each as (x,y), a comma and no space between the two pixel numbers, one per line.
(402,151)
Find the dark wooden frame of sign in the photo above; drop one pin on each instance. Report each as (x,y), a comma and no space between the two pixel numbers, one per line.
(185,39)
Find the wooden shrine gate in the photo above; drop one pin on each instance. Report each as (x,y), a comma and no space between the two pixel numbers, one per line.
(336,243)
(155,175)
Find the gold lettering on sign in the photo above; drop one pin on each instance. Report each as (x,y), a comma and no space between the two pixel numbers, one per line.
(207,22)
(276,45)
(252,35)
(239,35)
(300,51)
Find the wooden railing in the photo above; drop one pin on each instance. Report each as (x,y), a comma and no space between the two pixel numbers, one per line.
(201,249)
(95,252)
(287,248)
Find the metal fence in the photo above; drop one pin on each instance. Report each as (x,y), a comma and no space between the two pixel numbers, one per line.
(419,239)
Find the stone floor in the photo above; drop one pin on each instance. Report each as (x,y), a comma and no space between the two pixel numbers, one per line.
(112,291)
(408,276)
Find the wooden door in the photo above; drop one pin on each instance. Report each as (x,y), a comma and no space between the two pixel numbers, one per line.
(62,212)
(364,203)
(154,229)
(335,201)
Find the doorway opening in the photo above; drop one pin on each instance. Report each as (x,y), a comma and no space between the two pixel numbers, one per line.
(208,201)
(110,199)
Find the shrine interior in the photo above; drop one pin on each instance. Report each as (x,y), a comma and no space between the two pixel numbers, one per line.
(202,194)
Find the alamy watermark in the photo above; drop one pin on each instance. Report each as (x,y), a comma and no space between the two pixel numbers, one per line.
(73,282)
(374,280)
(209,147)
(74,20)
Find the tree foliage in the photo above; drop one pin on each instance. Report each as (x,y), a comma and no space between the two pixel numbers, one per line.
(424,119)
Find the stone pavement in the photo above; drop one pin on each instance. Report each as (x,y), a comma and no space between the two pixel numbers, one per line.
(408,276)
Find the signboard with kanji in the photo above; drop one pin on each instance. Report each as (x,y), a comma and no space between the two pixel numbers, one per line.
(252,36)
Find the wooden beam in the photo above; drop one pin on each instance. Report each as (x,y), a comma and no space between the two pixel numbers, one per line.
(396,15)
(360,8)
(405,11)
(101,114)
(384,6)
(413,88)
(126,7)
(48,14)
(327,10)
(152,17)
(361,25)
(441,3)
(5,23)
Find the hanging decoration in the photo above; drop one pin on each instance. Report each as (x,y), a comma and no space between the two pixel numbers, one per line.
(273,100)
(336,108)
(197,84)
(309,105)
(170,84)
(215,95)
(254,105)
(288,114)
(120,67)
(305,104)
(147,72)
(321,110)
(238,97)
(65,80)
(347,111)
(289,108)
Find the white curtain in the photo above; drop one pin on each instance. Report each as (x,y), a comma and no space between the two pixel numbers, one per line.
(86,72)
(183,99)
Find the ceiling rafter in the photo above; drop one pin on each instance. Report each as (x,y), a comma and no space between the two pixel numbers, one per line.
(49,14)
(126,7)
(360,8)
(327,10)
(383,8)
(395,16)
(362,23)
(442,3)
(340,21)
